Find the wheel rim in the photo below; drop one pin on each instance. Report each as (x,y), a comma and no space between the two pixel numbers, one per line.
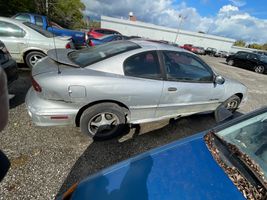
(230,62)
(232,105)
(34,58)
(259,69)
(104,123)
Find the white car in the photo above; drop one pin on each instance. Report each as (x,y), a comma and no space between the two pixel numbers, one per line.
(27,43)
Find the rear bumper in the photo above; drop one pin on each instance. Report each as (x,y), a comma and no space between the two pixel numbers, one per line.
(49,113)
(11,70)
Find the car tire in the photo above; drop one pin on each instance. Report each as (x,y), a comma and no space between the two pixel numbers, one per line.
(232,103)
(259,69)
(32,57)
(103,121)
(230,62)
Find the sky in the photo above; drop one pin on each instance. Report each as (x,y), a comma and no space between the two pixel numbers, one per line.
(237,19)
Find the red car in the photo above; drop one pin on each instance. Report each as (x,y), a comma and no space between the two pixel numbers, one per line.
(100,32)
(188,47)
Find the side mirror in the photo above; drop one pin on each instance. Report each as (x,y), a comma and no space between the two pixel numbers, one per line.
(219,80)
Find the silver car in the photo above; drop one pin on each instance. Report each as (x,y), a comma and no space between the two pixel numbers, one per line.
(27,42)
(101,89)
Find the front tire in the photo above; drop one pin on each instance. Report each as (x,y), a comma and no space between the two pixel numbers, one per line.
(32,57)
(232,103)
(103,121)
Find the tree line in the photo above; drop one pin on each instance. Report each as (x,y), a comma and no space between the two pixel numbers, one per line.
(67,13)
(242,43)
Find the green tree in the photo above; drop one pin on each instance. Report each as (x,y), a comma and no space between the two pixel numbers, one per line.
(240,43)
(67,13)
(255,46)
(11,7)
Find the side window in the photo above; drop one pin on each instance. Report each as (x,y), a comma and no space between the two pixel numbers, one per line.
(241,55)
(182,66)
(252,56)
(38,21)
(23,17)
(143,65)
(10,30)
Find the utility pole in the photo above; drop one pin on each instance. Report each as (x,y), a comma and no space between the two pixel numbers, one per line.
(46,6)
(179,26)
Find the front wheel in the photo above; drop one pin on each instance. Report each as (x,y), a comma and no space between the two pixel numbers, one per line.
(232,103)
(259,69)
(103,121)
(33,57)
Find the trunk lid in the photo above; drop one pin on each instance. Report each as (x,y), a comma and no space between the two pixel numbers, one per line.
(56,60)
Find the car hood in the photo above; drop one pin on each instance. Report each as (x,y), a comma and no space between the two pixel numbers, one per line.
(180,170)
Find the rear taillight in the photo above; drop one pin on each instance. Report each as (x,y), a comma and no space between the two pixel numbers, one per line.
(36,85)
(68,46)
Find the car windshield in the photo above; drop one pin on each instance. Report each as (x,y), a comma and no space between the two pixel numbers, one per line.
(250,137)
(89,56)
(263,59)
(39,29)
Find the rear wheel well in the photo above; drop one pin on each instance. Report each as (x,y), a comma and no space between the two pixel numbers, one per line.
(80,112)
(240,95)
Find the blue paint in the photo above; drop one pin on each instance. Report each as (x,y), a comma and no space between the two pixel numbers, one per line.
(181,170)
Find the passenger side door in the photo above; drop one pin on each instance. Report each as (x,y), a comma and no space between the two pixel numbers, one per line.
(189,87)
(14,38)
(252,61)
(143,85)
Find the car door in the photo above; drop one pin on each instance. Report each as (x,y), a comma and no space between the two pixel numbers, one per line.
(14,38)
(240,59)
(144,85)
(252,60)
(189,87)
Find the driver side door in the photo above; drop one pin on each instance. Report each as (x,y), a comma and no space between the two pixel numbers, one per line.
(189,86)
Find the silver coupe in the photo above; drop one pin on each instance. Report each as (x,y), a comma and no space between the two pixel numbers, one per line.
(101,89)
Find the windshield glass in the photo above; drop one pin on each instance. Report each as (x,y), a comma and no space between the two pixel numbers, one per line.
(39,29)
(250,137)
(89,56)
(263,58)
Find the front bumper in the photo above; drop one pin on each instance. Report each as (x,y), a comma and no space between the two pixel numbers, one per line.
(48,112)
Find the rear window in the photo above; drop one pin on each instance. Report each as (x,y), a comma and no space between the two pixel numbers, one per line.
(89,56)
(39,29)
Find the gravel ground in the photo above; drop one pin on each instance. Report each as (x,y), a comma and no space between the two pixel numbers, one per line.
(47,160)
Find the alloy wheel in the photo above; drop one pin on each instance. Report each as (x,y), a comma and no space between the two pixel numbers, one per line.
(103,123)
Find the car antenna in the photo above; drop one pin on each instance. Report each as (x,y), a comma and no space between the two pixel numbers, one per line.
(58,69)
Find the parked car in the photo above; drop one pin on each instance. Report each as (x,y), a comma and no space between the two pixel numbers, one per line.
(222,54)
(103,88)
(28,43)
(79,38)
(227,162)
(188,47)
(198,50)
(210,51)
(8,64)
(100,32)
(248,60)
(106,38)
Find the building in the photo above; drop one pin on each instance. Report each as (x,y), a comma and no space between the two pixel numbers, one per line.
(137,28)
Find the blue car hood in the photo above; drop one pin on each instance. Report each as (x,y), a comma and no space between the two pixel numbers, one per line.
(180,170)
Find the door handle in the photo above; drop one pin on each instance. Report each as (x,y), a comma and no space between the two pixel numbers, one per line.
(172,89)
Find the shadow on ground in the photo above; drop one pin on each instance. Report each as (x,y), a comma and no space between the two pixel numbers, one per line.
(19,88)
(99,155)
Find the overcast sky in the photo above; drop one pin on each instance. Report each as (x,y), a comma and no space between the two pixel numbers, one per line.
(237,19)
